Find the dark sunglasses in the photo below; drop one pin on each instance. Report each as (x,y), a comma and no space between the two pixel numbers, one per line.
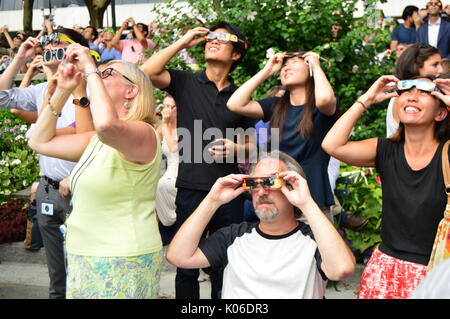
(422,85)
(271,182)
(109,71)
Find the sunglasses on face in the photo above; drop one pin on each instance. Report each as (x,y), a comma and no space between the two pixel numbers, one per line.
(222,37)
(270,182)
(109,72)
(422,85)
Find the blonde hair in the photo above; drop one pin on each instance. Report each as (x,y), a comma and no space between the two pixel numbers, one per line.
(142,106)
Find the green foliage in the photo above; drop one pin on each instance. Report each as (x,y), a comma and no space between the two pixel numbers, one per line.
(18,164)
(286,25)
(364,200)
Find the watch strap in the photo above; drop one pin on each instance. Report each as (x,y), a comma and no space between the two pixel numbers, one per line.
(82,101)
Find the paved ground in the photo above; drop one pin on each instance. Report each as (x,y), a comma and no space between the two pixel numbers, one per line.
(23,275)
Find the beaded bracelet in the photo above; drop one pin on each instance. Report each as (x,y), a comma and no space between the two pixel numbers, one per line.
(52,109)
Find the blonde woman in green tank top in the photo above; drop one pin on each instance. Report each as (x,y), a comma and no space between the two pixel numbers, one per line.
(113,243)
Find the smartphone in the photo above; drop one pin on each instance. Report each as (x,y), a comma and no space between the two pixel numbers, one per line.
(216,143)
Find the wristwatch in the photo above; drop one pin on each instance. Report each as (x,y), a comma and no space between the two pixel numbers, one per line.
(82,101)
(90,71)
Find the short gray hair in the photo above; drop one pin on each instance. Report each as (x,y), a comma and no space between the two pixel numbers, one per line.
(291,163)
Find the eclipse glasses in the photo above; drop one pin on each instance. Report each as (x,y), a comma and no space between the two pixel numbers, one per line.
(58,54)
(422,85)
(223,37)
(270,182)
(300,54)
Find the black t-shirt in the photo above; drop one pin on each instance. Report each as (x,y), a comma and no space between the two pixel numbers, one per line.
(413,203)
(202,117)
(307,151)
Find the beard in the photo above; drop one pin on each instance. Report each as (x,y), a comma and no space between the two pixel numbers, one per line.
(266,213)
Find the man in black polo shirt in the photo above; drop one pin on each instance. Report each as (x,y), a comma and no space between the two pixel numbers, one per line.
(203,119)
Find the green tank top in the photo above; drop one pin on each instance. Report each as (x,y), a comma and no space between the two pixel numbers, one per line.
(113,204)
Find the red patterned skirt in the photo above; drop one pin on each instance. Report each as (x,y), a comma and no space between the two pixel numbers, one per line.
(386,277)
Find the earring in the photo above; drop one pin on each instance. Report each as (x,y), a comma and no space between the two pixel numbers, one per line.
(126,105)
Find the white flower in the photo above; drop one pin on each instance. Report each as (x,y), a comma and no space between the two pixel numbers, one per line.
(270,53)
(355,68)
(16,162)
(23,128)
(326,46)
(212,15)
(3,163)
(251,15)
(25,183)
(19,137)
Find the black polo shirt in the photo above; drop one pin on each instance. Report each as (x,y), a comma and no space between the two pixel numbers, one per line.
(202,112)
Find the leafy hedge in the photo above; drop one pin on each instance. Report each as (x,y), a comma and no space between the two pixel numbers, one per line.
(18,164)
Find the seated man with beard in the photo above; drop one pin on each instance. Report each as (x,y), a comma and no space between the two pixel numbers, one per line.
(277,257)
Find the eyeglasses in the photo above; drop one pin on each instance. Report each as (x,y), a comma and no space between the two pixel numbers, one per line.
(223,37)
(57,54)
(109,71)
(422,85)
(270,182)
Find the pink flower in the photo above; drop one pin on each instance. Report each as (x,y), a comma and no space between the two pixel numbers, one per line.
(378,179)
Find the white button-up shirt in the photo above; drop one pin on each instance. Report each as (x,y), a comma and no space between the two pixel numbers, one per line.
(433,33)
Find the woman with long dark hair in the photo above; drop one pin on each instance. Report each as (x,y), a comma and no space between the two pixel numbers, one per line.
(303,115)
(410,168)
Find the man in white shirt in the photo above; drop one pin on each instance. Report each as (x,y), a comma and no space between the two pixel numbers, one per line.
(279,257)
(436,31)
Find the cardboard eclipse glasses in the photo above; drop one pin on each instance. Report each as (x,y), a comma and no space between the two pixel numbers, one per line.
(422,85)
(223,37)
(270,182)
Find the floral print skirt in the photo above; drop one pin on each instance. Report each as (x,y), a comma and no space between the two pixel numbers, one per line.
(135,277)
(386,277)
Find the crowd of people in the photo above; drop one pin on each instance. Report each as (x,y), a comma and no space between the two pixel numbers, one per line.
(259,227)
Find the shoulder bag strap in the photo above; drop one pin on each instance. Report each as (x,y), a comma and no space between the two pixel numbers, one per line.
(446,170)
